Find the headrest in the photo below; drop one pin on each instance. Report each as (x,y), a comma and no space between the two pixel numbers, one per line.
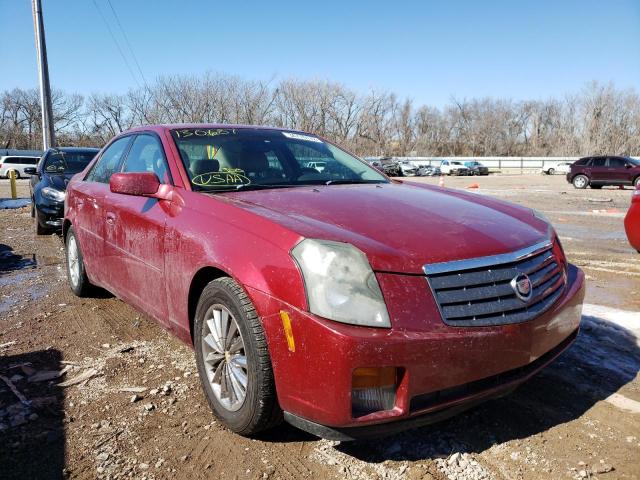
(253,161)
(198,167)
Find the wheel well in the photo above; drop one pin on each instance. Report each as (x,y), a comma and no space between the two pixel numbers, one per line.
(200,280)
(65,228)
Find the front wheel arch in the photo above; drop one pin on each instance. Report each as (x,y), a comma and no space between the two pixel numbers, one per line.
(199,281)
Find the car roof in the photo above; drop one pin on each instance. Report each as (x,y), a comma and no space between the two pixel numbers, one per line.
(75,149)
(175,126)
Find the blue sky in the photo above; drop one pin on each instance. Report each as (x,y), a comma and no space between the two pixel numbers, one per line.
(428,51)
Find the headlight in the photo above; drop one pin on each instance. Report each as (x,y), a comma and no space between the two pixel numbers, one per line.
(53,194)
(340,284)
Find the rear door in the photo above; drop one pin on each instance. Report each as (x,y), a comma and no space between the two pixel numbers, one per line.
(599,170)
(88,198)
(134,232)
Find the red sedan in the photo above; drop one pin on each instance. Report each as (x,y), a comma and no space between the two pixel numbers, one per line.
(346,303)
(632,220)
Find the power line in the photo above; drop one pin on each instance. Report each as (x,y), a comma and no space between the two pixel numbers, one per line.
(126,39)
(116,43)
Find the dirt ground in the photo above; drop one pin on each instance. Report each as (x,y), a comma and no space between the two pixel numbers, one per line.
(109,394)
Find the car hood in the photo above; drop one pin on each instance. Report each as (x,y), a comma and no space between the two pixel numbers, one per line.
(400,227)
(59,182)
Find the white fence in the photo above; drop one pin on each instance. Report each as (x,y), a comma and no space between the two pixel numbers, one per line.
(496,163)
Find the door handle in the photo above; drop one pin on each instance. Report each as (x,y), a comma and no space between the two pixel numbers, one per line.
(111,218)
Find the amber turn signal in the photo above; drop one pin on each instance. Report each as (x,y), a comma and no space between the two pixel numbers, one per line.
(370,377)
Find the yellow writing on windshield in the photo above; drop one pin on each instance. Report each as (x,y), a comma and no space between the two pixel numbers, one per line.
(226,176)
(202,132)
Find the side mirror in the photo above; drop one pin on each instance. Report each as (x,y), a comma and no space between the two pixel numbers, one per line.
(626,165)
(135,183)
(30,170)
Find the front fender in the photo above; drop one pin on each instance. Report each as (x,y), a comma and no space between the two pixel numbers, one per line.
(245,246)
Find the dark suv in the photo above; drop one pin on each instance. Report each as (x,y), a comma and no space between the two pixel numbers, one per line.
(604,170)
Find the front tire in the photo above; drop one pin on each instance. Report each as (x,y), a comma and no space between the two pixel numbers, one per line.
(40,229)
(76,273)
(551,171)
(636,182)
(580,181)
(233,359)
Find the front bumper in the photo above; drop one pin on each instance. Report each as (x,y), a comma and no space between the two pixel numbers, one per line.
(49,214)
(444,369)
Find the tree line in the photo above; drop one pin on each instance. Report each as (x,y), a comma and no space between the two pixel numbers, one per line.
(600,119)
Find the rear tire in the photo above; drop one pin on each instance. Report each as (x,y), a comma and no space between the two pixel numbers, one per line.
(636,182)
(580,181)
(551,171)
(231,348)
(76,273)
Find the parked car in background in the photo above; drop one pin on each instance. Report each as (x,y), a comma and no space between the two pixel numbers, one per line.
(632,220)
(597,172)
(476,168)
(391,167)
(301,306)
(428,171)
(407,168)
(452,167)
(319,166)
(49,182)
(553,168)
(16,164)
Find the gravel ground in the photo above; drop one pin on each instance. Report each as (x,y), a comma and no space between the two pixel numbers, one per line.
(106,393)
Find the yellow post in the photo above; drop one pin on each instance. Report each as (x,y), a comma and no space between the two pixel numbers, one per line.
(12,182)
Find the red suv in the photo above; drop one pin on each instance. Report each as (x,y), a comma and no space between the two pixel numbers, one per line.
(300,304)
(600,171)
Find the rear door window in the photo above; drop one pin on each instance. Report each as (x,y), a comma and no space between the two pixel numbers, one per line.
(109,162)
(599,162)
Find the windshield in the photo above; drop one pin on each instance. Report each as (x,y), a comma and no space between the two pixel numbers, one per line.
(223,159)
(67,162)
(633,161)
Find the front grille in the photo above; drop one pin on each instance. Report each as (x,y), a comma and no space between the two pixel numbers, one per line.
(478,292)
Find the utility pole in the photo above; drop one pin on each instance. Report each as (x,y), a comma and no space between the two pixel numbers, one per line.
(48,134)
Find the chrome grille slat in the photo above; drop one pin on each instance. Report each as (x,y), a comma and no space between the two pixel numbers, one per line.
(482,295)
(474,293)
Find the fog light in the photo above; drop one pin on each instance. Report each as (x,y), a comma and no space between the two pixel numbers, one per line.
(373,390)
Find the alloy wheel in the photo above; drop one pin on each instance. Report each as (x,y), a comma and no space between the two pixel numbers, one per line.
(580,181)
(224,357)
(73,260)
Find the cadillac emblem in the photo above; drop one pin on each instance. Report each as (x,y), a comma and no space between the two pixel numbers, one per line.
(522,287)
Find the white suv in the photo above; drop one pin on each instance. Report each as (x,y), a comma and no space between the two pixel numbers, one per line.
(451,167)
(16,163)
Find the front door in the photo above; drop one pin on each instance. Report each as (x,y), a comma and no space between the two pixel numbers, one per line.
(617,171)
(89,205)
(135,230)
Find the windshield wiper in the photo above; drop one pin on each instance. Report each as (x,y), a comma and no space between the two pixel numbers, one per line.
(347,182)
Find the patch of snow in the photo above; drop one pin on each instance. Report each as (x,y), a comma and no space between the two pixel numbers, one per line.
(11,203)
